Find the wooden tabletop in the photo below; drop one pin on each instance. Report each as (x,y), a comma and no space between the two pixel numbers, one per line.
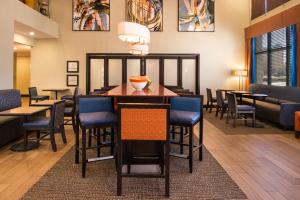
(56,89)
(154,90)
(24,111)
(46,103)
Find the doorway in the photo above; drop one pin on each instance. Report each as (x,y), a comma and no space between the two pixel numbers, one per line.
(22,65)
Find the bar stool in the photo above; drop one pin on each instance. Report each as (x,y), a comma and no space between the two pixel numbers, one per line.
(94,113)
(186,112)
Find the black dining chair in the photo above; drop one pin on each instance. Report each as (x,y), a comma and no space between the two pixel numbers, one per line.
(70,98)
(222,105)
(95,112)
(211,101)
(33,95)
(187,112)
(147,123)
(50,125)
(71,109)
(239,112)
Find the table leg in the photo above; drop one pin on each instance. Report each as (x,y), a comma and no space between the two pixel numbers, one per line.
(56,95)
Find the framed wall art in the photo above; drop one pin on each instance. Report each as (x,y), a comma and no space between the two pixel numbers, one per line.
(72,80)
(196,15)
(72,66)
(91,15)
(154,13)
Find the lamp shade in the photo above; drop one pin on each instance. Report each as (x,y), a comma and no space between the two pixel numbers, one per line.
(133,33)
(240,72)
(138,49)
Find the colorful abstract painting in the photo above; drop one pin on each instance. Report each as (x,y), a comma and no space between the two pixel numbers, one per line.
(148,12)
(196,15)
(91,15)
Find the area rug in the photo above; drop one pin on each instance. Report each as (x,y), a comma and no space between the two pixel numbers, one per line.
(241,128)
(208,181)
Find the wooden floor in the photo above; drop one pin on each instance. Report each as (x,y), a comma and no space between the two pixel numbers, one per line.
(264,166)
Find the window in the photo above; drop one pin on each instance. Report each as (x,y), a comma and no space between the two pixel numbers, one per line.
(273,58)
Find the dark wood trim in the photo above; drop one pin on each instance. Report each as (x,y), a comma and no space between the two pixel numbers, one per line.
(124,70)
(106,72)
(143,64)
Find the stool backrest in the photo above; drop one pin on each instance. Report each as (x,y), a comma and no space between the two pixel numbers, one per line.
(232,104)
(144,122)
(88,104)
(220,99)
(32,92)
(9,99)
(209,94)
(58,114)
(187,103)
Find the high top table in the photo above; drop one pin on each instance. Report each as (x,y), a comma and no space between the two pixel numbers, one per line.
(25,112)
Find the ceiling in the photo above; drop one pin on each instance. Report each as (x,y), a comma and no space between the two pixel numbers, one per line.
(25,30)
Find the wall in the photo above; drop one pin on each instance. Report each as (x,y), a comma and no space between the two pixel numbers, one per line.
(12,11)
(220,51)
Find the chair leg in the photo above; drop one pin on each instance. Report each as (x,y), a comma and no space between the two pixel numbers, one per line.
(223,110)
(181,140)
(227,118)
(83,152)
(63,134)
(211,107)
(207,105)
(52,138)
(217,111)
(201,139)
(73,123)
(167,169)
(235,119)
(173,132)
(97,132)
(119,168)
(90,138)
(77,143)
(253,121)
(38,136)
(297,134)
(112,139)
(191,145)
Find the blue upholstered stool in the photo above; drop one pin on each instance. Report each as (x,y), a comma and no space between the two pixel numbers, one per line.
(186,112)
(94,113)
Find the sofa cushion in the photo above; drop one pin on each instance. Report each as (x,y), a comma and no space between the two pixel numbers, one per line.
(273,100)
(9,99)
(259,89)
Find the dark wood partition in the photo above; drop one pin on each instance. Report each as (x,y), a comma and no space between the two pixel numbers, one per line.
(143,66)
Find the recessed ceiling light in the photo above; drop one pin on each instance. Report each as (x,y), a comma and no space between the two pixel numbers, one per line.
(15,48)
(32,33)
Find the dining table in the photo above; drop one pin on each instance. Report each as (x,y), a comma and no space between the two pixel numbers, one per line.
(56,91)
(26,112)
(239,94)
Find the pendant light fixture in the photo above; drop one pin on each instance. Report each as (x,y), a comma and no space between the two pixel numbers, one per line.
(135,32)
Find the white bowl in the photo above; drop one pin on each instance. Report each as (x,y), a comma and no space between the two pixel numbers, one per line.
(139,86)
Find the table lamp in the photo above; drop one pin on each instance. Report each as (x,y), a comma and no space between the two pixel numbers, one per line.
(241,73)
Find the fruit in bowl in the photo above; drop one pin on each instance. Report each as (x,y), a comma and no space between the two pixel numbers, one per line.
(138,82)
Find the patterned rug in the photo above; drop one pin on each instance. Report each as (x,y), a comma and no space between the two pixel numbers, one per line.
(208,181)
(241,128)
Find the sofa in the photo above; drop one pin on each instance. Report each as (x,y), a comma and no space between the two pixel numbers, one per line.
(280,105)
(11,128)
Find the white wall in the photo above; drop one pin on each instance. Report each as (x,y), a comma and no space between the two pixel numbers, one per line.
(220,51)
(12,11)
